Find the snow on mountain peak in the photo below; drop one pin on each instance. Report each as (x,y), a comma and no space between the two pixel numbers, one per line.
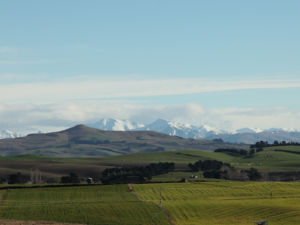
(248,130)
(116,125)
(245,135)
(8,134)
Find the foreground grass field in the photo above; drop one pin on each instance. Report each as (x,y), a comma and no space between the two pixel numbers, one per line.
(88,205)
(204,203)
(226,203)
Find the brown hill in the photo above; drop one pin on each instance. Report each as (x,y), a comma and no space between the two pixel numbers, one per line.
(83,141)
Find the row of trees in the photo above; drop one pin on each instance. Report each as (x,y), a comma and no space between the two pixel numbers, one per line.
(136,174)
(15,178)
(19,178)
(205,165)
(219,170)
(140,174)
(262,144)
(210,168)
(239,152)
(72,178)
(233,151)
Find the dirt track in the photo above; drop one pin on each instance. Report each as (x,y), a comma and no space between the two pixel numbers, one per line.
(163,209)
(19,222)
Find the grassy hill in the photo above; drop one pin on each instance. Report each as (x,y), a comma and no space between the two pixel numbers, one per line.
(271,158)
(83,141)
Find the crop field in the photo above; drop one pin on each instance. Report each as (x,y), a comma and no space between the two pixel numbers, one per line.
(86,205)
(226,203)
(207,203)
(285,158)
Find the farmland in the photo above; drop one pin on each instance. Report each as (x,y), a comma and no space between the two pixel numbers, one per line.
(87,205)
(270,158)
(226,203)
(209,203)
(283,158)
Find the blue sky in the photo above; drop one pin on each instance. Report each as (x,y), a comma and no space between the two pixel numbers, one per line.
(233,61)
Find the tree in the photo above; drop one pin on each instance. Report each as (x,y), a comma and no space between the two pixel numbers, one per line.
(72,178)
(2,180)
(135,174)
(206,165)
(252,152)
(253,174)
(18,178)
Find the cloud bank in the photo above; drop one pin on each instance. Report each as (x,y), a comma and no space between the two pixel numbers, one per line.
(106,89)
(61,103)
(27,118)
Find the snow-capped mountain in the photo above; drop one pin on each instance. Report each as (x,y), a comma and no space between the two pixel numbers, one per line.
(8,134)
(248,130)
(174,129)
(243,135)
(181,129)
(116,125)
(159,125)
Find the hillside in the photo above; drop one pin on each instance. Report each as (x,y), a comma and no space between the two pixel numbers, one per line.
(285,158)
(83,141)
(252,137)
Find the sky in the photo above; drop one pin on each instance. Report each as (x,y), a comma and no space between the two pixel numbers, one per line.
(228,64)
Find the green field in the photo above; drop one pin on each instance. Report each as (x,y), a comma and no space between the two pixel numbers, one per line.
(89,205)
(268,159)
(226,203)
(54,168)
(204,203)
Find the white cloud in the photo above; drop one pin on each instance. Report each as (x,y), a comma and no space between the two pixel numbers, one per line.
(62,103)
(118,88)
(49,117)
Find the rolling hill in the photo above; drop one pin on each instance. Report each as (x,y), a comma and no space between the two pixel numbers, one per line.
(83,141)
(282,162)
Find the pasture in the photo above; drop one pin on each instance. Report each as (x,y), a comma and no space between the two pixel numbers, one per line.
(226,203)
(286,159)
(207,203)
(87,205)
(279,158)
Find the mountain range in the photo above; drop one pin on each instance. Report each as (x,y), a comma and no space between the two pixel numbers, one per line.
(244,135)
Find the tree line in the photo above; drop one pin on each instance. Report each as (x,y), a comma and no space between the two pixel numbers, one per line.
(141,174)
(263,144)
(239,152)
(135,174)
(219,170)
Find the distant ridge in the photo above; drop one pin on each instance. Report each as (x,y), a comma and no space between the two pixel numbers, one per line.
(243,135)
(84,141)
